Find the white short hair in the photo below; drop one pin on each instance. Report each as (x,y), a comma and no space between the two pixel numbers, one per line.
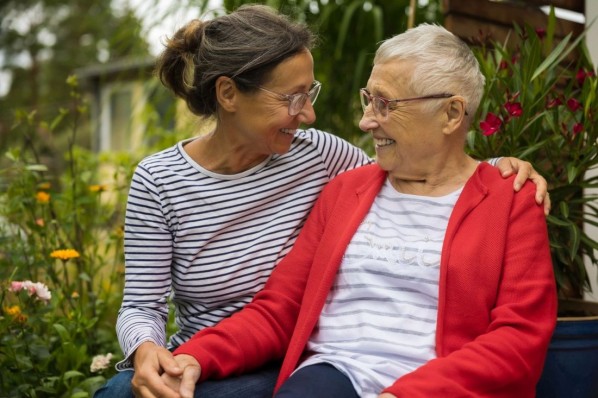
(442,62)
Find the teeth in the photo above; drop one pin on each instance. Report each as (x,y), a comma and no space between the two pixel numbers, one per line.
(379,142)
(288,131)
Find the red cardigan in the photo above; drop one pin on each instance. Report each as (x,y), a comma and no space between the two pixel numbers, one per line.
(497,297)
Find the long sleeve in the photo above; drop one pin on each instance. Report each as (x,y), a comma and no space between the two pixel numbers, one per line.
(148,255)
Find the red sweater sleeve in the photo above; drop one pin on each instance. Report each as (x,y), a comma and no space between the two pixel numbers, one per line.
(504,358)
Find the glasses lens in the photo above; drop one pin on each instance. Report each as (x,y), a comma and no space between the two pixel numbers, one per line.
(380,107)
(296,103)
(313,93)
(365,99)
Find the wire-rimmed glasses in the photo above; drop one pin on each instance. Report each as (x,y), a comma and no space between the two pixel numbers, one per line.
(297,100)
(382,106)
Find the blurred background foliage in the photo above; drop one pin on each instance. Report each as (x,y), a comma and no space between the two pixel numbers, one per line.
(44,41)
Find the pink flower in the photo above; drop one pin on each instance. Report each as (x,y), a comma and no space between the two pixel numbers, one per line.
(491,124)
(551,103)
(38,289)
(514,109)
(581,76)
(577,128)
(15,286)
(573,104)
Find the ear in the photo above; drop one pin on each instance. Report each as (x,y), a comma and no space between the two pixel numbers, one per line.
(226,93)
(455,114)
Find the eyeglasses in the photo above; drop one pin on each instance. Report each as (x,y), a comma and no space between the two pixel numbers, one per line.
(297,100)
(381,105)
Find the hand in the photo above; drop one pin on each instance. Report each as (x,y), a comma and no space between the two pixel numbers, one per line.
(184,384)
(150,362)
(525,171)
(387,395)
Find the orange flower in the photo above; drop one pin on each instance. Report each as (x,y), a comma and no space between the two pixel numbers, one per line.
(42,197)
(13,311)
(65,254)
(97,188)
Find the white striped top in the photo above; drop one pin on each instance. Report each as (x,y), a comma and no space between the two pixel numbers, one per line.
(207,242)
(379,320)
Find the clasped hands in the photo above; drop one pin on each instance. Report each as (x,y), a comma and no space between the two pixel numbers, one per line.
(158,373)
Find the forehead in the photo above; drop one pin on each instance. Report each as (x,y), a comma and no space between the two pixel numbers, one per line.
(295,70)
(392,76)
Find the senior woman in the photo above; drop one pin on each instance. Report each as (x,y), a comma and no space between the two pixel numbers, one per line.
(208,219)
(423,275)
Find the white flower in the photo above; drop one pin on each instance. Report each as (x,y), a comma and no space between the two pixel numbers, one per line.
(42,292)
(100,362)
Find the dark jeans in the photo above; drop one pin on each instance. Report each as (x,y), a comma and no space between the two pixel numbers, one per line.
(317,381)
(259,384)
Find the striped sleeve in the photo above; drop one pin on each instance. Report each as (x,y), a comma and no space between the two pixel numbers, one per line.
(148,255)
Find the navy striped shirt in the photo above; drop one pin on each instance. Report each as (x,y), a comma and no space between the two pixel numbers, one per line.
(207,242)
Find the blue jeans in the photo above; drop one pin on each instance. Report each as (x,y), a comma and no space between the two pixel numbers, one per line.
(317,381)
(259,384)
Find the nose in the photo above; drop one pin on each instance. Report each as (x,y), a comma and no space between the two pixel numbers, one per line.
(368,120)
(307,114)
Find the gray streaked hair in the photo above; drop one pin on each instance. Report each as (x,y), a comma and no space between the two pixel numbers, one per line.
(245,45)
(443,63)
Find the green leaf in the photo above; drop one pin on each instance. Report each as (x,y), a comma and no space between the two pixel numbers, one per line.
(572,172)
(62,332)
(345,27)
(71,374)
(552,57)
(556,221)
(36,167)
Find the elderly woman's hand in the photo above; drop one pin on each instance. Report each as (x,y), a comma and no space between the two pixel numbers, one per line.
(525,171)
(185,383)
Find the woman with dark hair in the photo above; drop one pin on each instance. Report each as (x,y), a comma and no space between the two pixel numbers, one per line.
(209,218)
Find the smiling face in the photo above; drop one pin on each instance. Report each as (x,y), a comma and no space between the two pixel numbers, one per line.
(261,119)
(413,132)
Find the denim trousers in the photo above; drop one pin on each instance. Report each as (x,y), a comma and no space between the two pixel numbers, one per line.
(317,381)
(259,384)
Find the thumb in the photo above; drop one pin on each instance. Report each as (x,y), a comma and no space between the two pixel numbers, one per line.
(190,377)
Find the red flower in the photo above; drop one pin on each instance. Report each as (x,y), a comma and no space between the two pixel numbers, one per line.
(577,128)
(581,76)
(573,104)
(514,108)
(541,32)
(503,65)
(491,124)
(552,102)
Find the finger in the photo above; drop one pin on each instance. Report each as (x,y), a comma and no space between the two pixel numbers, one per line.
(505,166)
(547,204)
(189,380)
(169,364)
(523,174)
(541,188)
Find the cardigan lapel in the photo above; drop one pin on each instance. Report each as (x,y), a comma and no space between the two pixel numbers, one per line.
(349,211)
(472,195)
